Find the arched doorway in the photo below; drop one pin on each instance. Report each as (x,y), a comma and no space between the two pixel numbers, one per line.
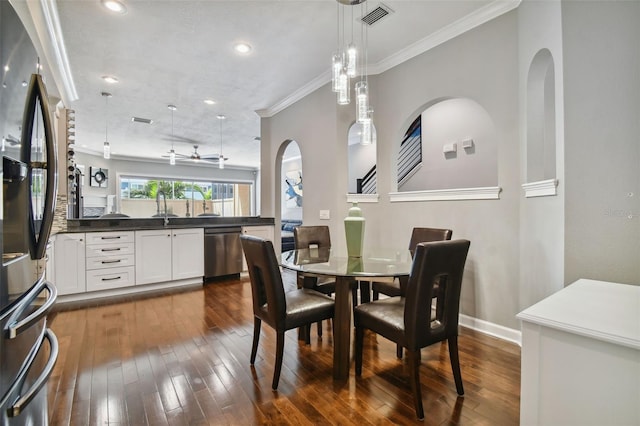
(290,190)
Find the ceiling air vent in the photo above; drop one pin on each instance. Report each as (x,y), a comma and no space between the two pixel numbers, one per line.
(377,14)
(142,120)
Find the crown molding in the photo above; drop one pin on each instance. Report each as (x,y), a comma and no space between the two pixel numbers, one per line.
(305,90)
(462,25)
(42,18)
(474,19)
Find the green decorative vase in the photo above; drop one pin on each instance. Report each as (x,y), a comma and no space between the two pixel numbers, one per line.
(354,230)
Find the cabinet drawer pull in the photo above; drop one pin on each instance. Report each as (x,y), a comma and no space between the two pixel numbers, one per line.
(111,238)
(104,262)
(111,249)
(111,279)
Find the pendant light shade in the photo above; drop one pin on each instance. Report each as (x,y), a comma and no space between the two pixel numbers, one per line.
(106,148)
(367,129)
(336,67)
(172,152)
(352,60)
(362,101)
(221,156)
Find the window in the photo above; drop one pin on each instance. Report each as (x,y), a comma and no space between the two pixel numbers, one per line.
(142,197)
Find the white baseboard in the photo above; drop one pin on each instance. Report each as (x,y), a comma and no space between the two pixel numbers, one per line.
(495,330)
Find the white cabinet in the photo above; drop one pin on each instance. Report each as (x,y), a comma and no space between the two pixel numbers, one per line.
(187,250)
(153,256)
(263,231)
(110,260)
(581,356)
(69,263)
(169,254)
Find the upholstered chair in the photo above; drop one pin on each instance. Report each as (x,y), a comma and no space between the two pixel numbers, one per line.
(280,310)
(410,320)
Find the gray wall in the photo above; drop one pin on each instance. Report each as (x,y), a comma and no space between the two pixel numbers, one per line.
(522,249)
(320,127)
(602,122)
(541,218)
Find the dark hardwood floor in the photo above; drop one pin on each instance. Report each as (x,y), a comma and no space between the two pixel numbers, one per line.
(183,359)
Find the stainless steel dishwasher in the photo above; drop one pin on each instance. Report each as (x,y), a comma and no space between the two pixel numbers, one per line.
(222,252)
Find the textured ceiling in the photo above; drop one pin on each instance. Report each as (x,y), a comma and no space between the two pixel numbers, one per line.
(181,52)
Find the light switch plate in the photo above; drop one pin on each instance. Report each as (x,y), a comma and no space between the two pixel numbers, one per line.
(325,215)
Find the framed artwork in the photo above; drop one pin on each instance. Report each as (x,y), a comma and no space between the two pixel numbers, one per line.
(98,177)
(293,193)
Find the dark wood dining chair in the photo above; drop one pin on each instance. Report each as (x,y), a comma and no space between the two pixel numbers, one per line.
(411,321)
(395,287)
(305,237)
(418,235)
(282,311)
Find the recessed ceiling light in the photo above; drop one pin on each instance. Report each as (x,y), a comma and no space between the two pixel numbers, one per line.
(110,79)
(114,6)
(209,101)
(243,48)
(6,67)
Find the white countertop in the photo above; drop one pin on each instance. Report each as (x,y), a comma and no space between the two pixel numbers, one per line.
(598,309)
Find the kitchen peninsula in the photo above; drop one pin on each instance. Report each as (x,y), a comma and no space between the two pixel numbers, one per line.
(106,257)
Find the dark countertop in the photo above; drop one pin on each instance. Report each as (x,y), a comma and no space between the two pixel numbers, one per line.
(137,224)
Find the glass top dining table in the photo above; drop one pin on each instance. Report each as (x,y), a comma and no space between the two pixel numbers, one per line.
(375,262)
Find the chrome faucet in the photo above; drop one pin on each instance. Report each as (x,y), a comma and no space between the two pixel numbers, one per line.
(164,197)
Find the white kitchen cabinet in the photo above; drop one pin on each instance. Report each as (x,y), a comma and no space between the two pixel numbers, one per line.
(263,231)
(153,256)
(110,260)
(69,263)
(187,253)
(169,254)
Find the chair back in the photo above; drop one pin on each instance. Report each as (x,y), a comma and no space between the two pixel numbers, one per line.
(267,290)
(426,235)
(306,236)
(436,264)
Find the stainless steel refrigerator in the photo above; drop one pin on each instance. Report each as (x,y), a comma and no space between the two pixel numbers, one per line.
(28,348)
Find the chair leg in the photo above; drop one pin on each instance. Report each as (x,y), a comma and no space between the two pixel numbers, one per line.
(279,354)
(359,344)
(307,337)
(376,295)
(455,363)
(319,328)
(399,351)
(256,336)
(354,296)
(414,372)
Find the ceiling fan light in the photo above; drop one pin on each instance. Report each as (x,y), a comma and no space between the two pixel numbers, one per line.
(172,157)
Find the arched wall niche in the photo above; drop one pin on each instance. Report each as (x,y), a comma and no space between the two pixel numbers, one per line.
(361,162)
(541,118)
(447,144)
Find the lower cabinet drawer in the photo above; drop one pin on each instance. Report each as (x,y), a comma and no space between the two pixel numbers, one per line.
(103,279)
(110,262)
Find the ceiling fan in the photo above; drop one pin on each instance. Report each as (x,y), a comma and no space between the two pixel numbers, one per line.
(196,157)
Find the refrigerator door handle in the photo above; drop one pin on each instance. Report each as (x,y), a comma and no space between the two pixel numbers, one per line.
(16,327)
(26,398)
(37,92)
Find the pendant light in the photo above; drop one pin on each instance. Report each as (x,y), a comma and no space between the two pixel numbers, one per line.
(106,148)
(172,153)
(220,156)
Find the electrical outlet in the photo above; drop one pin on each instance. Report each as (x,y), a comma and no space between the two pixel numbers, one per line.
(325,215)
